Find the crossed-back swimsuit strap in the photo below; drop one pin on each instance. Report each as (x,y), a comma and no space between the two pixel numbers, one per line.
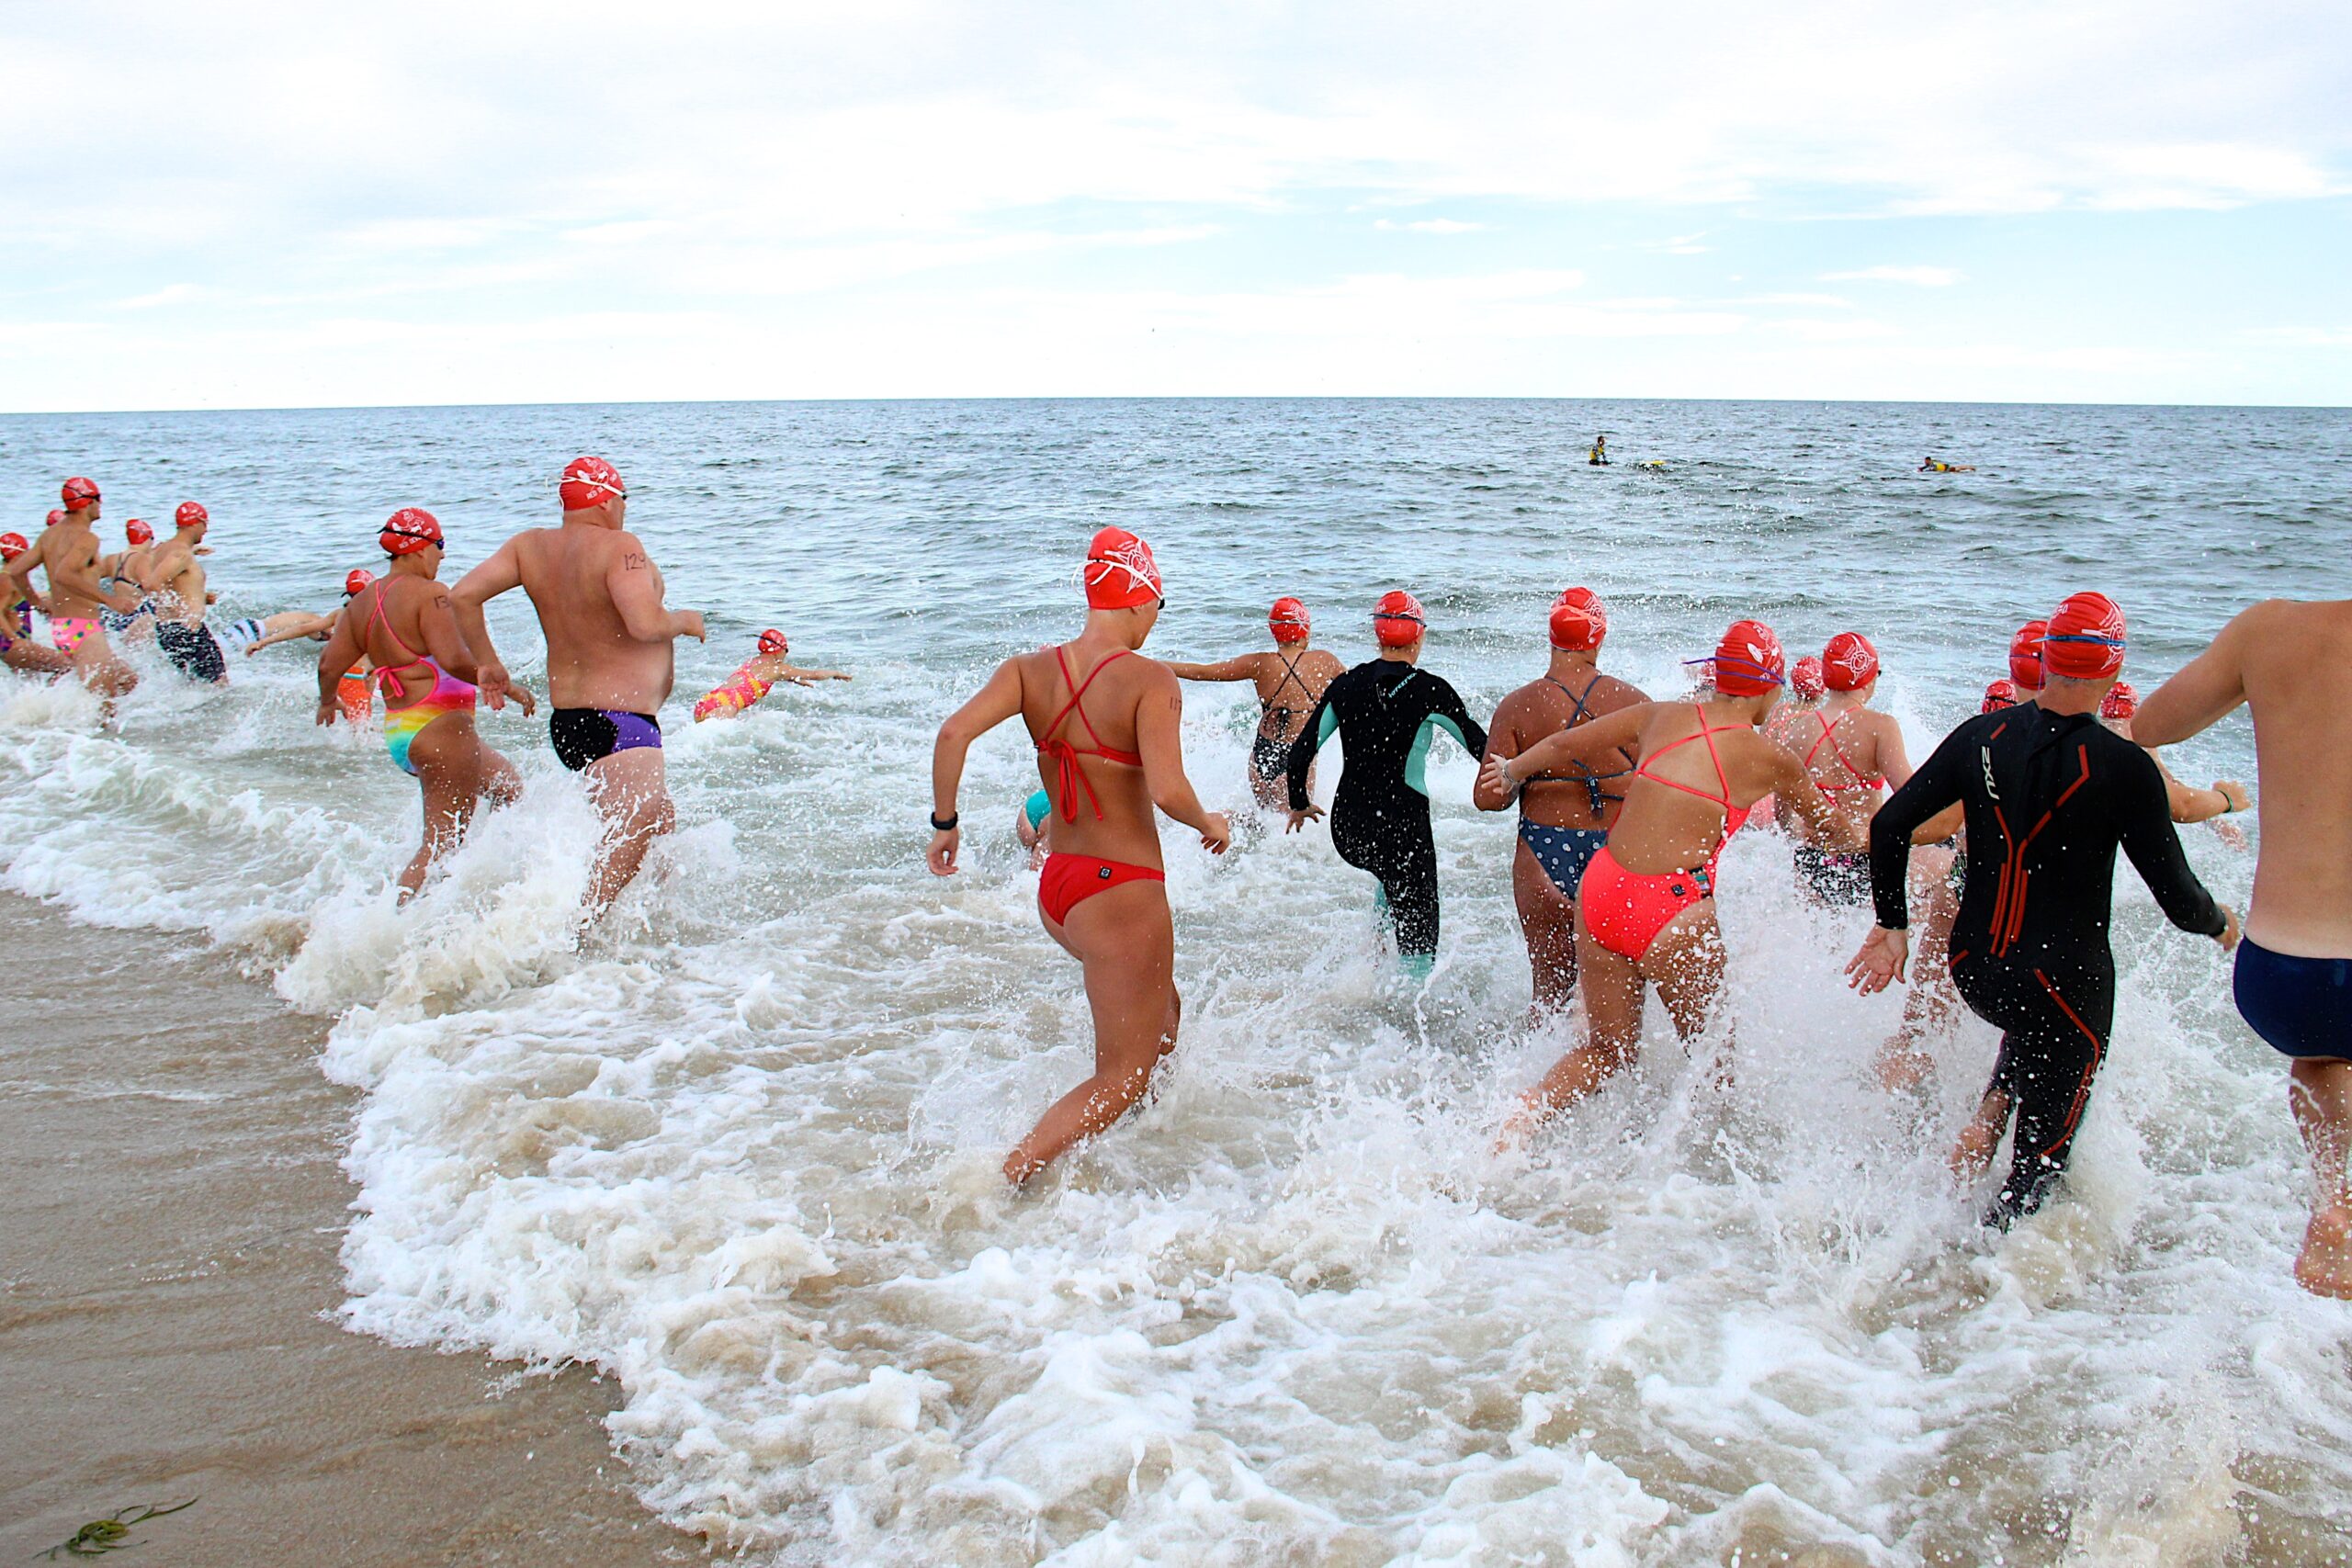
(1732,815)
(1829,738)
(376,617)
(1268,708)
(1584,774)
(1065,755)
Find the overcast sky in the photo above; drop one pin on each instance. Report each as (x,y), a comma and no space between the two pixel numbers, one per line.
(236,205)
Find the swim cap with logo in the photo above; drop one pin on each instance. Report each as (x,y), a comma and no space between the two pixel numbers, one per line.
(588,482)
(772,641)
(2084,641)
(1999,695)
(1848,663)
(1579,621)
(409,530)
(1398,620)
(138,532)
(78,493)
(1120,573)
(1806,680)
(1287,620)
(356,581)
(191,514)
(2025,656)
(12,545)
(1748,662)
(2121,701)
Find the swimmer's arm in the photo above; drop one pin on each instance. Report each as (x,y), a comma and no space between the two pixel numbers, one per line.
(1941,826)
(1242,667)
(2148,838)
(335,661)
(493,577)
(80,578)
(1925,793)
(2204,691)
(1584,743)
(1490,794)
(989,706)
(20,581)
(1893,762)
(1320,724)
(800,677)
(439,623)
(636,590)
(1794,790)
(1160,741)
(306,626)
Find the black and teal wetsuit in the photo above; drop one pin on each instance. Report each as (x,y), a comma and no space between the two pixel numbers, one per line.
(1386,713)
(2050,798)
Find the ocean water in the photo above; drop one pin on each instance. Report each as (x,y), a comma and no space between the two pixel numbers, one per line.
(738,1145)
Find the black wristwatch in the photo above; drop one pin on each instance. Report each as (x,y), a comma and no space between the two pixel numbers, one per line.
(946,827)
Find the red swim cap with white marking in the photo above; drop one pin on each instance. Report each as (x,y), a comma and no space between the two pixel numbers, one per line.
(409,530)
(590,482)
(78,493)
(1579,621)
(1848,663)
(1748,662)
(356,581)
(2121,701)
(772,641)
(1120,573)
(12,545)
(2085,640)
(1999,695)
(2025,656)
(1805,679)
(191,514)
(1398,620)
(1287,619)
(138,532)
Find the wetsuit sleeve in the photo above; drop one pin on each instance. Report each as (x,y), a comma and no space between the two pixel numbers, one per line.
(1447,712)
(1321,720)
(1935,786)
(2143,812)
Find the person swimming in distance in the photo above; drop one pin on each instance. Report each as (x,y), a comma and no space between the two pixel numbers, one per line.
(611,663)
(1562,817)
(756,676)
(1385,712)
(1599,455)
(1289,678)
(1937,466)
(17,648)
(1646,905)
(2030,950)
(403,625)
(1107,724)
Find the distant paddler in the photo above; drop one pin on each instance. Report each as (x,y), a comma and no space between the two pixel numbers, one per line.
(1108,726)
(1290,680)
(1937,466)
(758,675)
(1599,455)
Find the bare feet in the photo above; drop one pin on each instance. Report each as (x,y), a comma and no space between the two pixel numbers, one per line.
(1971,1155)
(1903,1067)
(2325,1269)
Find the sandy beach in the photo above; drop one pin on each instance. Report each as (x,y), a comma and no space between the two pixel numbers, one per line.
(173,1205)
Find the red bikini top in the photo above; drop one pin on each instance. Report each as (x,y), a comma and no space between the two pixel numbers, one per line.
(1066,755)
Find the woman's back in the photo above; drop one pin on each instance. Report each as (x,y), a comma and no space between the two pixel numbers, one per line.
(1081,702)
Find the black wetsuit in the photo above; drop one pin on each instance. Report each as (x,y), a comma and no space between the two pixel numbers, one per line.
(2048,800)
(1384,712)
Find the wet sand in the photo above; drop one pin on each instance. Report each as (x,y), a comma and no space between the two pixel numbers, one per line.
(170,1211)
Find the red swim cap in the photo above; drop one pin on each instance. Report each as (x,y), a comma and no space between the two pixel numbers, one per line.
(138,532)
(191,514)
(1120,573)
(56,516)
(1398,620)
(78,493)
(1287,620)
(1848,663)
(2025,656)
(590,482)
(409,530)
(772,641)
(1805,678)
(2084,641)
(1579,621)
(2121,701)
(1748,662)
(356,581)
(12,545)
(1999,695)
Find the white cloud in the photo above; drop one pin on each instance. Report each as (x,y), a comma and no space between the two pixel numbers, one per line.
(1431,226)
(1919,276)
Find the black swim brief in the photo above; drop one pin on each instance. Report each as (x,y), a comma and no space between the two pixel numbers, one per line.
(192,650)
(582,736)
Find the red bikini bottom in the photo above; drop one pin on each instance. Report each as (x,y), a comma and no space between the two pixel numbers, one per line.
(1068,881)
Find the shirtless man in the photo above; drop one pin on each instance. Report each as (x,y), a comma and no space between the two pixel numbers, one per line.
(1564,817)
(2294,968)
(17,648)
(1290,680)
(1108,726)
(1645,910)
(68,552)
(180,599)
(610,663)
